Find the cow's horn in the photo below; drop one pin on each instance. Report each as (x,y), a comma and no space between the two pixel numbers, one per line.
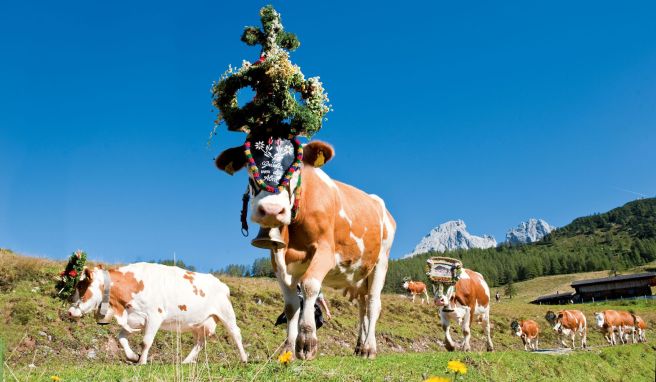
(269,238)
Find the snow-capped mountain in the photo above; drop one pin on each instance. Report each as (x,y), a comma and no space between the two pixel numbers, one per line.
(449,236)
(529,231)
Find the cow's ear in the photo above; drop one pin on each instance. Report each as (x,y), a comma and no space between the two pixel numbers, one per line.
(317,153)
(87,274)
(231,160)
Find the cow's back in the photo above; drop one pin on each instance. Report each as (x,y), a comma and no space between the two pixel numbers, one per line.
(472,290)
(530,328)
(354,224)
(172,289)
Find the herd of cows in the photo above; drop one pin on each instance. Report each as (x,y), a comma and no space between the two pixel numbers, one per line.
(569,323)
(334,235)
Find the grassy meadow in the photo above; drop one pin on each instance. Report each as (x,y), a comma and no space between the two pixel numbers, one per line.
(40,342)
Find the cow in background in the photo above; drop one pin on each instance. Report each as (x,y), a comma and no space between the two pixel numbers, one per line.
(469,299)
(567,323)
(611,321)
(416,288)
(339,236)
(640,328)
(148,297)
(528,331)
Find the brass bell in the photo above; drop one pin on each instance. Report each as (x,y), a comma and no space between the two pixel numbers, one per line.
(269,238)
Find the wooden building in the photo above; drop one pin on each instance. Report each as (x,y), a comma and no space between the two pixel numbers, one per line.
(606,288)
(615,287)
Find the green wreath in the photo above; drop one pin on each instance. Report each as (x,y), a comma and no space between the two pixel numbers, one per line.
(70,276)
(274,107)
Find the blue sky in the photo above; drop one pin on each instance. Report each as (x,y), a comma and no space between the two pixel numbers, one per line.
(485,111)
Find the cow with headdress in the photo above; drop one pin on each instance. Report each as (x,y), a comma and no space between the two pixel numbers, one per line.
(461,295)
(320,232)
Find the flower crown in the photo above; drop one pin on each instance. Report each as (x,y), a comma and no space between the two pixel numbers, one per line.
(69,277)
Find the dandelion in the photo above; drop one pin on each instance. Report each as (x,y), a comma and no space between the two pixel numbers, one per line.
(55,378)
(457,367)
(437,379)
(285,358)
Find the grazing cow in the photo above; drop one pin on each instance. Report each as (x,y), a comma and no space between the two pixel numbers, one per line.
(611,321)
(640,328)
(149,297)
(567,323)
(333,234)
(416,288)
(528,331)
(469,299)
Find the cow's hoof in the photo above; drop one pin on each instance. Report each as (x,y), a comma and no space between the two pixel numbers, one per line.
(367,352)
(491,347)
(134,358)
(306,343)
(449,346)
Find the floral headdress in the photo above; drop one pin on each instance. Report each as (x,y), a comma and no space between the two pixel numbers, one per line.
(285,101)
(69,277)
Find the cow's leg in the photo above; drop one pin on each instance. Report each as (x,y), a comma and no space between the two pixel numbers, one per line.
(153,322)
(123,340)
(584,338)
(364,322)
(426,295)
(292,312)
(376,282)
(446,326)
(466,329)
(524,341)
(573,338)
(227,317)
(486,330)
(200,336)
(413,297)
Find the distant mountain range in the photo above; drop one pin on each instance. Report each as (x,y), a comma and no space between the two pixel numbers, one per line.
(529,232)
(449,236)
(615,240)
(453,235)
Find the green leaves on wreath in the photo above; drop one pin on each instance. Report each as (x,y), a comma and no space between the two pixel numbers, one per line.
(284,100)
(69,277)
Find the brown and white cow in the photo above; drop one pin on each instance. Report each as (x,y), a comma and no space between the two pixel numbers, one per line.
(640,328)
(469,299)
(148,297)
(340,237)
(528,331)
(611,321)
(568,323)
(416,288)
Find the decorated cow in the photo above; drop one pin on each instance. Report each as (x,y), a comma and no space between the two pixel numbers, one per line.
(461,295)
(528,331)
(569,323)
(327,233)
(415,288)
(146,297)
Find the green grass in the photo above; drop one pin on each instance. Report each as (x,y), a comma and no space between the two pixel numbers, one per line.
(627,363)
(36,331)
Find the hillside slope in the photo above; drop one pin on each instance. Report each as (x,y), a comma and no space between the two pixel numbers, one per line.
(36,330)
(619,239)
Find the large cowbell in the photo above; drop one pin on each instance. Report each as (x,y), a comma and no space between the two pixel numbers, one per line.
(273,157)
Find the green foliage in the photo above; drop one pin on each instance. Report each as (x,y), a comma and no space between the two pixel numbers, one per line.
(23,311)
(65,287)
(177,263)
(262,267)
(234,270)
(616,240)
(510,290)
(274,108)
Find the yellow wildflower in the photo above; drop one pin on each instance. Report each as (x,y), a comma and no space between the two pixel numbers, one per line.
(437,379)
(55,378)
(285,358)
(457,367)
